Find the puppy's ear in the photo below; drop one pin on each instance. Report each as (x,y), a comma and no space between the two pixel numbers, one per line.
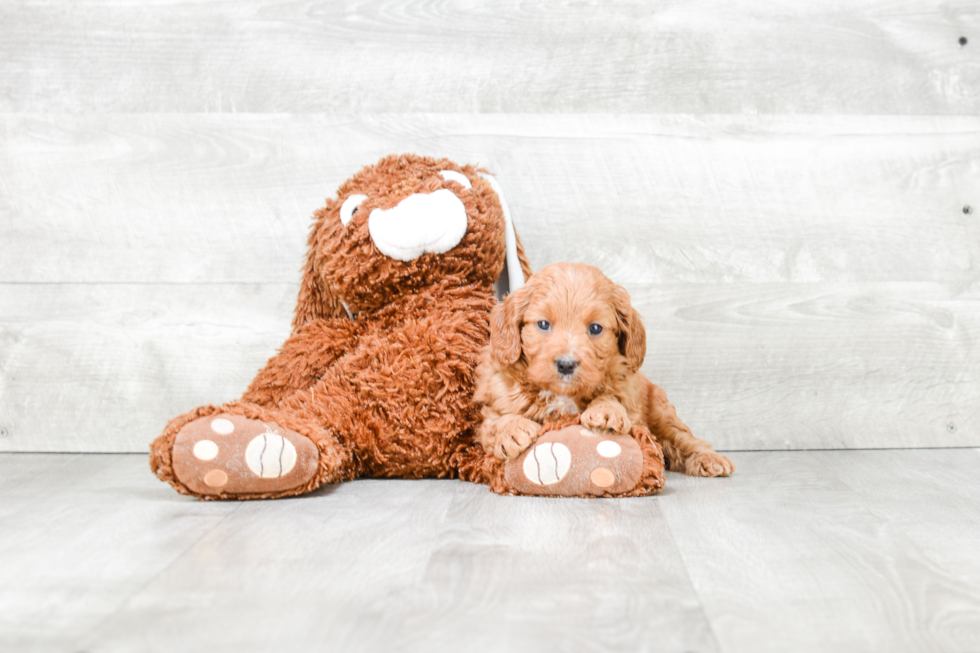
(632,335)
(506,320)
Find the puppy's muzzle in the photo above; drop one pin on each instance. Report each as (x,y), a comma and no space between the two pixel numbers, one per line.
(566,366)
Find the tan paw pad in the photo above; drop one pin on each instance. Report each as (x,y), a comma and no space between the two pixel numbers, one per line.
(216,478)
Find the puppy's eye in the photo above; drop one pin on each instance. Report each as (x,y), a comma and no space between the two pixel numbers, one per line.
(595,329)
(544,325)
(349,208)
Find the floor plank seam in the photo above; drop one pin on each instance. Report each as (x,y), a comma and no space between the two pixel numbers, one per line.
(690,580)
(94,630)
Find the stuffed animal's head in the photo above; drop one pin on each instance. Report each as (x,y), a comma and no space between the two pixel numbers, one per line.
(406,223)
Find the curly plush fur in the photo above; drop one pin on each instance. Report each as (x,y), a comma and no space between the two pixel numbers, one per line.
(379,370)
(570,343)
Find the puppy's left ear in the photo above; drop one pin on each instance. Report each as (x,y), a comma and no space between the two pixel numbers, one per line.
(506,320)
(632,335)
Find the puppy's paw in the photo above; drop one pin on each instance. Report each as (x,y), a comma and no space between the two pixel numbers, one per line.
(708,463)
(514,436)
(607,416)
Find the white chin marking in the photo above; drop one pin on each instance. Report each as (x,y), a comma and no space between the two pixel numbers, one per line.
(420,224)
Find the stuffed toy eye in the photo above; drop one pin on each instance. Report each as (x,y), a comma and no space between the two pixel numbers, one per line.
(349,208)
(452,175)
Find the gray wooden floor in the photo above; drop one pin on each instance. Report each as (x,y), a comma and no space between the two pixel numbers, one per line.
(799,551)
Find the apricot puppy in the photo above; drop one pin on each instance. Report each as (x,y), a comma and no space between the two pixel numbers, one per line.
(569,342)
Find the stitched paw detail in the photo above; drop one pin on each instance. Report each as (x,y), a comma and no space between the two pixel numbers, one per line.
(231,454)
(577,462)
(270,455)
(547,463)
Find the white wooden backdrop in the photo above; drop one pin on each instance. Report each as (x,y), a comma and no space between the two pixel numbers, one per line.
(782,190)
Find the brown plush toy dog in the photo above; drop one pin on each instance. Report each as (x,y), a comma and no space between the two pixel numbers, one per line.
(377,377)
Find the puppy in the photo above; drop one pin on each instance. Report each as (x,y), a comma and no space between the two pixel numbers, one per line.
(569,342)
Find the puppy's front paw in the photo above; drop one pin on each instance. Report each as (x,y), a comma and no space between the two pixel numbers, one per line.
(607,416)
(514,436)
(709,463)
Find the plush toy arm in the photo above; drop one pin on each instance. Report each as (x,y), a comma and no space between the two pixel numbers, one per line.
(304,357)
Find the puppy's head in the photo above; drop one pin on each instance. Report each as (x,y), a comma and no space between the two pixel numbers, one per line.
(570,328)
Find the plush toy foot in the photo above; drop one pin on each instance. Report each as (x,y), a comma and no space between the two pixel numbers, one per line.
(575,461)
(223,454)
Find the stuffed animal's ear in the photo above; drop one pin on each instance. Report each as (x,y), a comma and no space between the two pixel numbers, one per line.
(517,268)
(506,321)
(632,335)
(316,299)
(522,257)
(508,281)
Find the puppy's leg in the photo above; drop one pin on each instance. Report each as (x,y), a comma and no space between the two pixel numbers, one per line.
(507,436)
(683,451)
(605,413)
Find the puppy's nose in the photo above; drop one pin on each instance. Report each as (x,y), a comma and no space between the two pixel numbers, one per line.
(566,365)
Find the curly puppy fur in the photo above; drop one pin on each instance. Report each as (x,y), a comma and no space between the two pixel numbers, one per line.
(569,342)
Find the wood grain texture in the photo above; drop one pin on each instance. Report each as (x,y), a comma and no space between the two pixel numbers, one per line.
(79,535)
(709,56)
(102,367)
(817,551)
(799,551)
(424,566)
(808,282)
(105,367)
(817,366)
(650,199)
(575,573)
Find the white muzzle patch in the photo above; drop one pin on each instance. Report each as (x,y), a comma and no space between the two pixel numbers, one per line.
(430,223)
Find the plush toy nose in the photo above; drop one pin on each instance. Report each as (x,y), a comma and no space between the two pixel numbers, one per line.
(431,223)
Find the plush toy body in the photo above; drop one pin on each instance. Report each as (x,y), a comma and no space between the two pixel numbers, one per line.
(376,378)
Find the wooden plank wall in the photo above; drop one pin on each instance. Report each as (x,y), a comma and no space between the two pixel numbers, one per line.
(783,190)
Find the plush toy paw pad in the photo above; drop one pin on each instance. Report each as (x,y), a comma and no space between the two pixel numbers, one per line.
(270,455)
(547,463)
(232,454)
(577,462)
